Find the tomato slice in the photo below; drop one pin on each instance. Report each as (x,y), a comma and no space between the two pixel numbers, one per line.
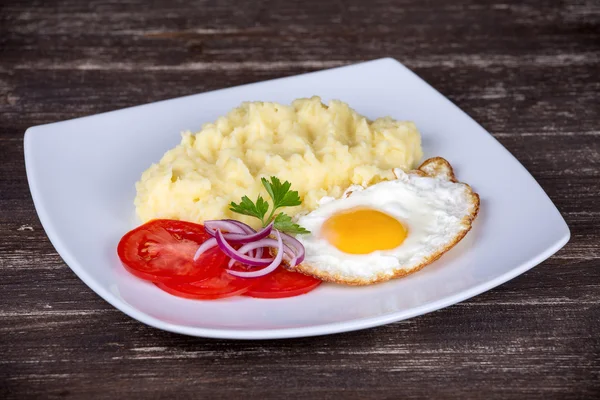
(282,283)
(218,286)
(162,250)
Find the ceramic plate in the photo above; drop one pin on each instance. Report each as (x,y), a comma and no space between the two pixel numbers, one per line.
(82,174)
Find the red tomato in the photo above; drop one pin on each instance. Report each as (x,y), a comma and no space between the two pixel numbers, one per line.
(216,287)
(162,250)
(283,283)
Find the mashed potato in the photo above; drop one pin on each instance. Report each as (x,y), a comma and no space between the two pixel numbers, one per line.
(320,149)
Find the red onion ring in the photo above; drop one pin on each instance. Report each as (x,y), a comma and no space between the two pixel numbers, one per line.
(211,227)
(235,235)
(288,253)
(258,252)
(249,230)
(264,271)
(234,254)
(296,246)
(242,225)
(209,244)
(232,261)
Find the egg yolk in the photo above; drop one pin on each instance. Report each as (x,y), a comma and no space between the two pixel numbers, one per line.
(363,231)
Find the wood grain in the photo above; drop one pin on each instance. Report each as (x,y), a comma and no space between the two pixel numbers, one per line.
(528,71)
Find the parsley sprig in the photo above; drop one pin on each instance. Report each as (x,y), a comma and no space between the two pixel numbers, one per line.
(282,196)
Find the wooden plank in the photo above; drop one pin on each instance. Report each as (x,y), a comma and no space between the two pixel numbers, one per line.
(507,101)
(487,346)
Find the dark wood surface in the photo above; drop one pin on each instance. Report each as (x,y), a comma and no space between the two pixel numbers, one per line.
(528,71)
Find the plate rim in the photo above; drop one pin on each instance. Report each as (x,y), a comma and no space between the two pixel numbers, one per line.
(279,333)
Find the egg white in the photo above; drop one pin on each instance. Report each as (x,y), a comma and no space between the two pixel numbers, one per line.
(436,212)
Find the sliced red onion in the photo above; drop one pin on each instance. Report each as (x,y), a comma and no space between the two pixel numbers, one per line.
(268,269)
(263,233)
(209,244)
(236,255)
(236,236)
(288,254)
(232,261)
(224,225)
(296,246)
(288,248)
(262,244)
(267,242)
(245,227)
(249,230)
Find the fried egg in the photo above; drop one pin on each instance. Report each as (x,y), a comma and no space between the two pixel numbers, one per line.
(389,229)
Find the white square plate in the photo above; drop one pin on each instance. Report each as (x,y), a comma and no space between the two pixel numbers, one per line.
(82,174)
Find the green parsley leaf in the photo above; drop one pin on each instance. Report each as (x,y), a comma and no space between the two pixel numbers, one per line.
(282,196)
(280,193)
(247,207)
(283,222)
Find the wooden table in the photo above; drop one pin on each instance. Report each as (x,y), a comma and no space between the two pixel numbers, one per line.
(528,71)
